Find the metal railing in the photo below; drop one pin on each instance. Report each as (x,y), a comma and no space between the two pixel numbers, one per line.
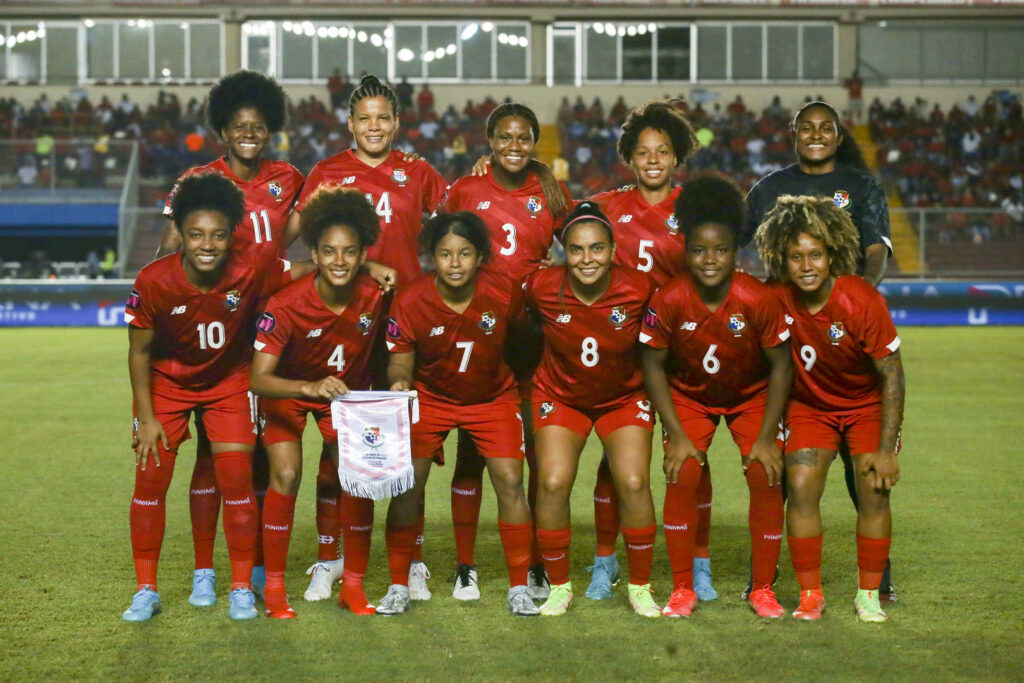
(964,242)
(127,221)
(84,170)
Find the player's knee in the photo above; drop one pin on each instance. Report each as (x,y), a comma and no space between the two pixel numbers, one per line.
(286,480)
(632,486)
(554,487)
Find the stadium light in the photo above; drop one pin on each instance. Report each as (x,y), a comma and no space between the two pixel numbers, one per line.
(428,57)
(361,36)
(405,55)
(631,30)
(287,26)
(89,23)
(468,31)
(20,38)
(597,28)
(183,26)
(439,53)
(641,29)
(621,31)
(376,40)
(165,72)
(523,41)
(332,32)
(30,36)
(451,48)
(652,28)
(503,38)
(487,27)
(343,32)
(321,32)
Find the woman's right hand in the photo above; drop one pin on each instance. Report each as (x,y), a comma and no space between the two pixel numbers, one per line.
(148,433)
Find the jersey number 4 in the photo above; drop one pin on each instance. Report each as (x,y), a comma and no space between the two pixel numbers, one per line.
(383,207)
(337,359)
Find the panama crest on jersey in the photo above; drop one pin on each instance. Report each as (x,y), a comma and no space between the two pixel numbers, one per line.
(672,224)
(534,205)
(546,408)
(836,333)
(400,176)
(618,316)
(737,323)
(841,198)
(373,437)
(266,323)
(232,300)
(488,321)
(274,188)
(365,320)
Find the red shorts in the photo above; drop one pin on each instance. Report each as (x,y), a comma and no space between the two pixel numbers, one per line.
(700,422)
(808,427)
(632,410)
(227,417)
(496,428)
(284,419)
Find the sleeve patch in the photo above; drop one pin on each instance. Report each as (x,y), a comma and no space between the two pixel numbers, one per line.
(393,330)
(650,319)
(134,299)
(267,323)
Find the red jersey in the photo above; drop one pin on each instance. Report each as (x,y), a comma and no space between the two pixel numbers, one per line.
(833,349)
(716,358)
(459,356)
(590,357)
(646,235)
(521,226)
(201,338)
(268,203)
(312,341)
(400,191)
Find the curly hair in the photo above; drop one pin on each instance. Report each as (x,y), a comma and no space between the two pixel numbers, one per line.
(331,205)
(711,197)
(246,89)
(465,224)
(207,192)
(370,86)
(558,205)
(663,116)
(818,217)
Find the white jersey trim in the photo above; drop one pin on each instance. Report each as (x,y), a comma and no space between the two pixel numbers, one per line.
(893,345)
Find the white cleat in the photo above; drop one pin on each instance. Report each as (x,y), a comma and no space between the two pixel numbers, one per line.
(323,575)
(395,602)
(466,587)
(418,575)
(537,582)
(520,603)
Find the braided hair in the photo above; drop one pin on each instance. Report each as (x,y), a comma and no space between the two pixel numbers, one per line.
(370,86)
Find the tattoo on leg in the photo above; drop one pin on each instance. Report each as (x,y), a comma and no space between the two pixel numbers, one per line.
(804,456)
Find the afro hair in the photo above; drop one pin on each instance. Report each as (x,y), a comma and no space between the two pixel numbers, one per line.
(710,197)
(246,89)
(332,205)
(207,192)
(660,115)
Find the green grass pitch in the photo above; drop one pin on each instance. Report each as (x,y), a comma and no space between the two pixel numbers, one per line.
(66,572)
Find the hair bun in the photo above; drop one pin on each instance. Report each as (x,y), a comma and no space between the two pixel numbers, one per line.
(369,81)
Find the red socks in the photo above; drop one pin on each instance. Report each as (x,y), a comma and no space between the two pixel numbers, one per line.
(204,508)
(400,541)
(328,512)
(234,478)
(606,511)
(702,539)
(640,553)
(516,539)
(467,494)
(554,548)
(357,528)
(806,556)
(764,517)
(680,522)
(872,556)
(147,515)
(278,517)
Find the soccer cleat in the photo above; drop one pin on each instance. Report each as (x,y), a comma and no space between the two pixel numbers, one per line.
(259,580)
(144,605)
(642,601)
(395,602)
(418,575)
(604,574)
(537,582)
(702,579)
(324,574)
(868,609)
(203,588)
(520,603)
(466,587)
(559,600)
(812,604)
(275,602)
(762,600)
(353,598)
(242,604)
(745,595)
(680,603)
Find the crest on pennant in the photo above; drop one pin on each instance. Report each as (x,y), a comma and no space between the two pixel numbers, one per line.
(373,437)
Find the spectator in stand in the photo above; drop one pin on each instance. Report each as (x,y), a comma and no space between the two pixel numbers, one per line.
(404,92)
(855,89)
(335,84)
(425,100)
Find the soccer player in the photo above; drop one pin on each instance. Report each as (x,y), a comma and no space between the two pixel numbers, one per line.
(401,191)
(656,140)
(590,312)
(314,342)
(716,346)
(245,109)
(520,202)
(829,163)
(848,386)
(188,317)
(447,335)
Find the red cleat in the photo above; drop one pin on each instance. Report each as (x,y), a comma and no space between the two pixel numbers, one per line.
(276,602)
(353,598)
(764,604)
(812,604)
(681,603)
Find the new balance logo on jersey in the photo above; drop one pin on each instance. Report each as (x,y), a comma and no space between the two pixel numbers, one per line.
(644,404)
(689,326)
(789,320)
(563,318)
(646,417)
(348,180)
(178,310)
(483,205)
(625,218)
(315,333)
(436,331)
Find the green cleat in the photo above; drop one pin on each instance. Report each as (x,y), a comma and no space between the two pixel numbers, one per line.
(642,601)
(559,600)
(868,608)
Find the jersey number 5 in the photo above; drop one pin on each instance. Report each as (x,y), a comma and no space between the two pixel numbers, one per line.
(646,260)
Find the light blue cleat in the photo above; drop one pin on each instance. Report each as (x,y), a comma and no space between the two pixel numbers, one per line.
(145,604)
(243,604)
(702,579)
(203,588)
(259,580)
(604,574)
